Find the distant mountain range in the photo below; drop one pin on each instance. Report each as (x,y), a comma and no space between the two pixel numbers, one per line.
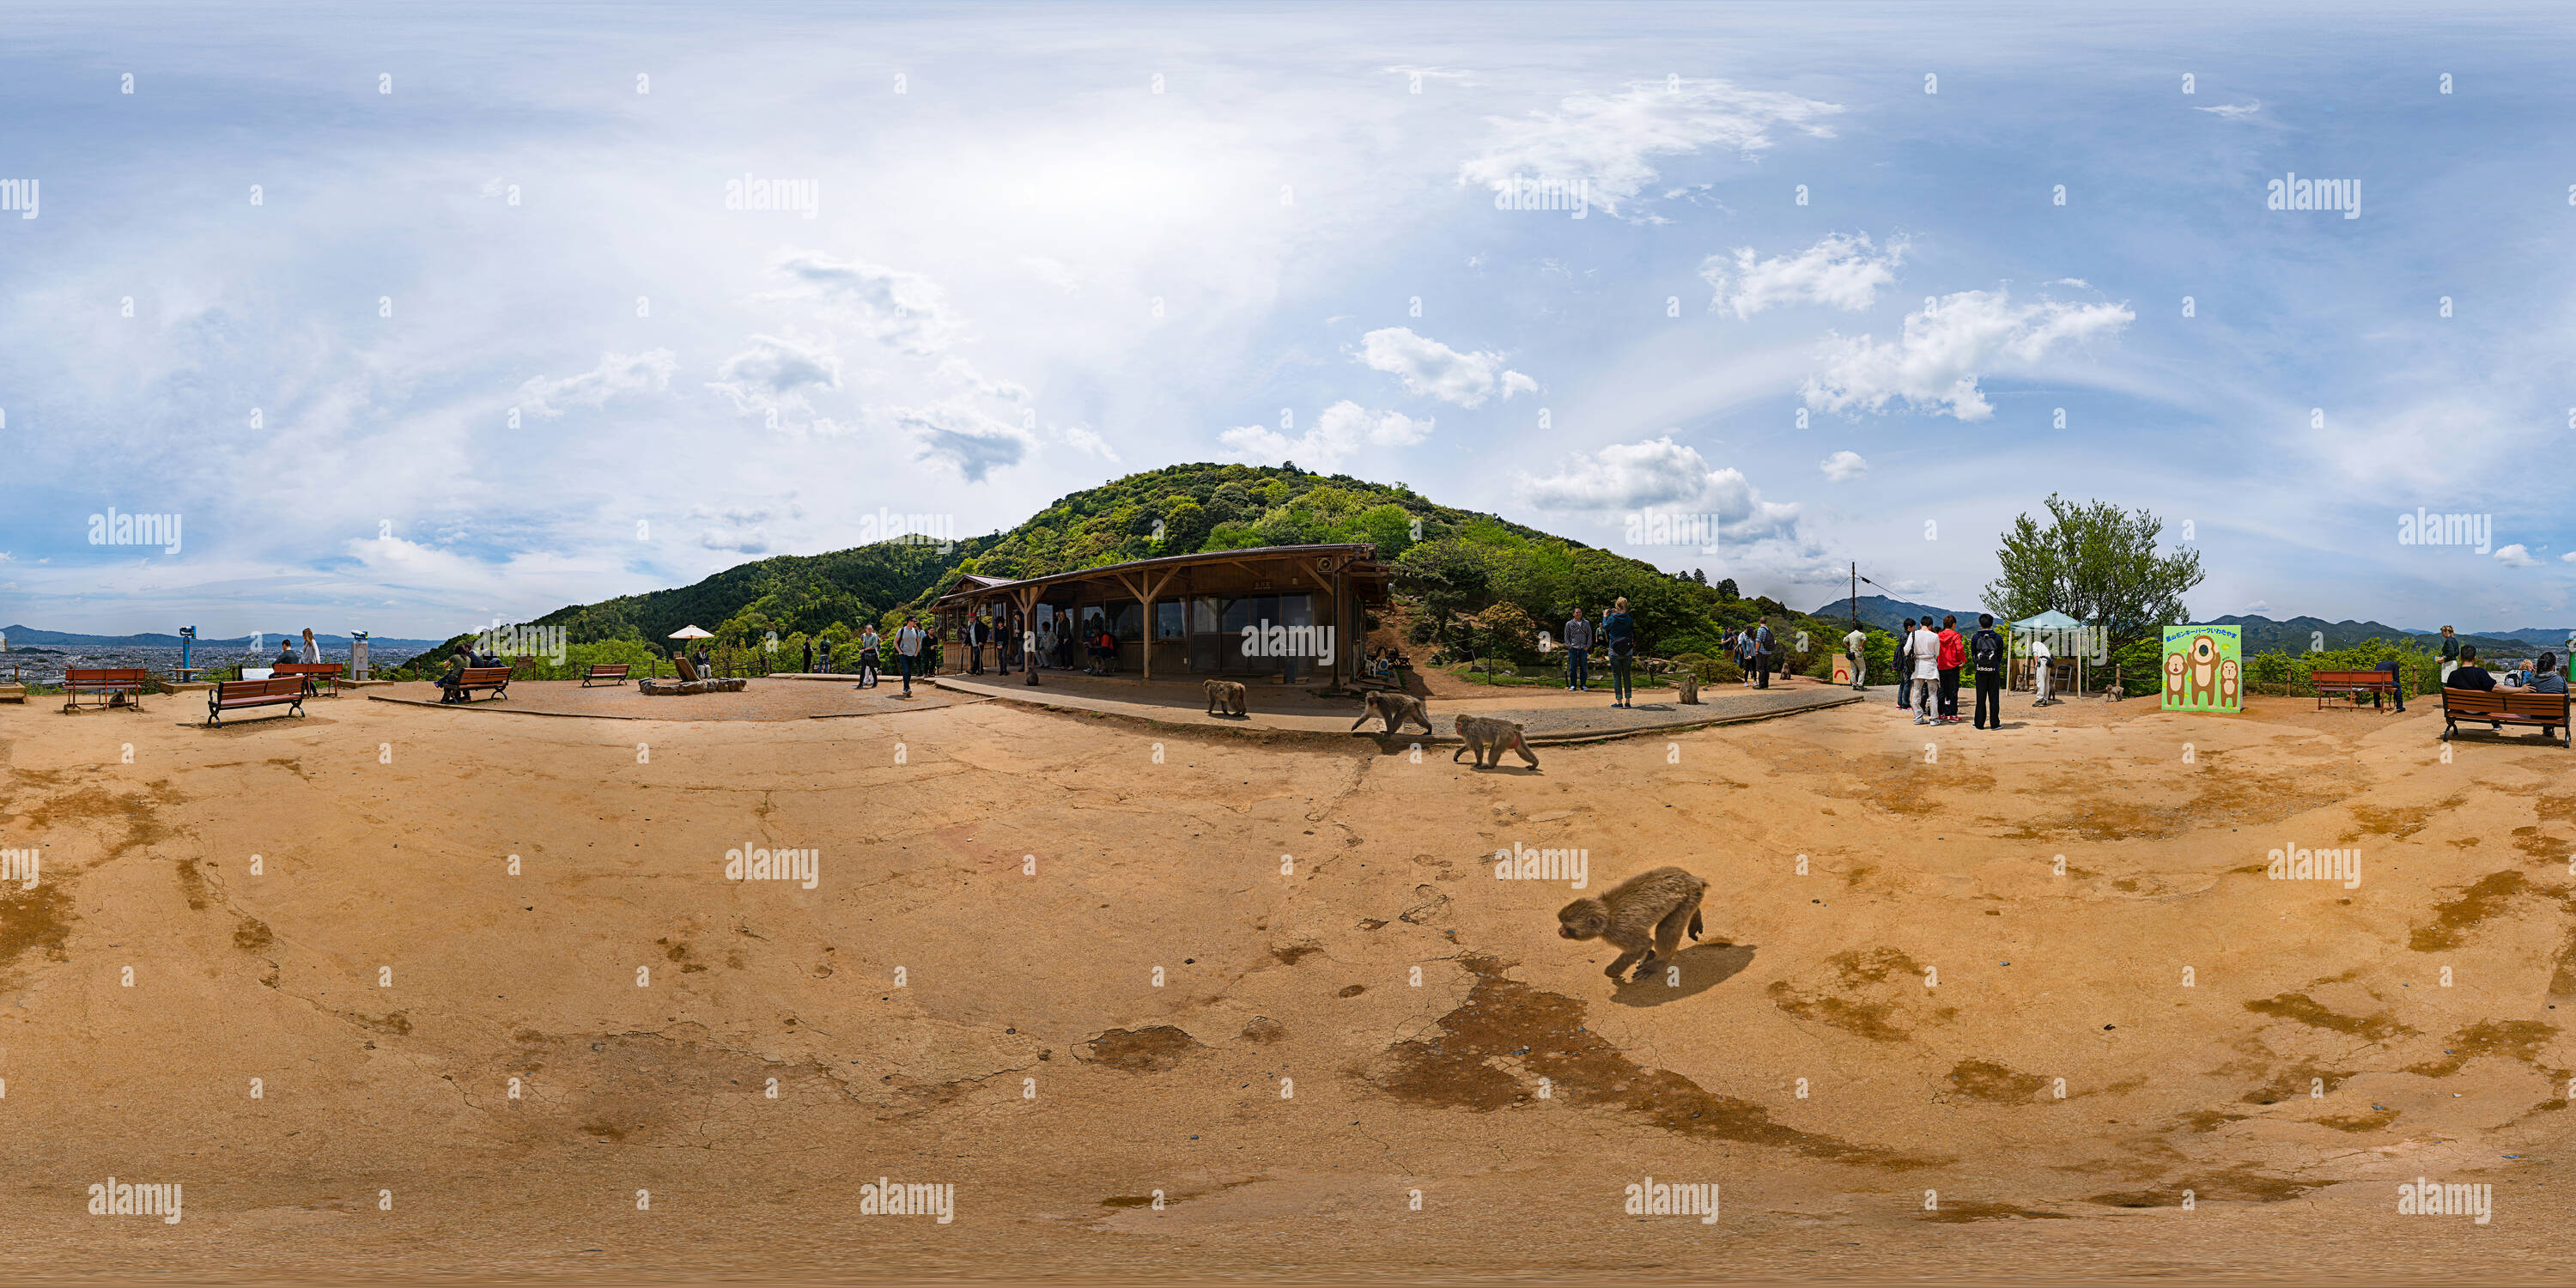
(17,635)
(2261,634)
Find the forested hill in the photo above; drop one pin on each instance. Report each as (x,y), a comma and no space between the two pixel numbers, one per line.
(1180,509)
(1477,582)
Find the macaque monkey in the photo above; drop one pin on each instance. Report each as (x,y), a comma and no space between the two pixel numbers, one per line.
(1489,739)
(1642,916)
(1688,683)
(1227,694)
(1397,708)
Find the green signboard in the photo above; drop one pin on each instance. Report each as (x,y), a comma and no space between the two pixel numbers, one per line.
(2204,669)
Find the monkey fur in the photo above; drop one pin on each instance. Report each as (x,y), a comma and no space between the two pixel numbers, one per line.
(1227,694)
(1643,916)
(1489,739)
(1396,708)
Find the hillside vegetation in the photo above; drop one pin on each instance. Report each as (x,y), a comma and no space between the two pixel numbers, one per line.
(1475,585)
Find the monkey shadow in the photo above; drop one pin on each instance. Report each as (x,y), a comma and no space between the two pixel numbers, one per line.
(1395,744)
(1227,715)
(1703,967)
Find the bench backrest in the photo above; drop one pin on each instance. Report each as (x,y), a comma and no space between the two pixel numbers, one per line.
(2350,677)
(486,675)
(306,668)
(606,670)
(274,686)
(78,676)
(2497,702)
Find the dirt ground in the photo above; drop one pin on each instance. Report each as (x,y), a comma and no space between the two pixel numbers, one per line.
(1066,965)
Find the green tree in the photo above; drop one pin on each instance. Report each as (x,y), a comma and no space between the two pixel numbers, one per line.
(2095,563)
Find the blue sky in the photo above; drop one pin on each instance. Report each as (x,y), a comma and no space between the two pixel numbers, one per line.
(1051,245)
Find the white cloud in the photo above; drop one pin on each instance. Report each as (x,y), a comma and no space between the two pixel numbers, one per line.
(2233,111)
(2514,556)
(1838,272)
(2259,606)
(957,370)
(2569,557)
(1429,367)
(1054,273)
(1607,139)
(1341,433)
(905,310)
(956,435)
(748,541)
(1082,439)
(1458,74)
(773,373)
(617,373)
(1946,350)
(1843,467)
(1660,473)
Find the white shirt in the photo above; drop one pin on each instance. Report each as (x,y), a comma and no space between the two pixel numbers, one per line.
(1855,640)
(2039,650)
(1927,654)
(312,650)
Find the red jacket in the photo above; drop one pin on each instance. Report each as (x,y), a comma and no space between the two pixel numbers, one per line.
(1954,651)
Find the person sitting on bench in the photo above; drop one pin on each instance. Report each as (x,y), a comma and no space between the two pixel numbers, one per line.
(285,654)
(2469,675)
(2544,680)
(455,675)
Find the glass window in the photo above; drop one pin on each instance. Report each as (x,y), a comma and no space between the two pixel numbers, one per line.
(1127,620)
(1203,613)
(1169,618)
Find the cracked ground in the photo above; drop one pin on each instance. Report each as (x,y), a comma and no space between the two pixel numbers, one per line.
(1169,1004)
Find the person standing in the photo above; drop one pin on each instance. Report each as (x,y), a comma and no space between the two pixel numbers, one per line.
(1905,665)
(907,651)
(974,638)
(1744,653)
(2040,678)
(1986,654)
(827,655)
(1765,649)
(809,657)
(312,651)
(1926,650)
(1578,644)
(1953,657)
(1855,647)
(2450,655)
(871,665)
(1620,634)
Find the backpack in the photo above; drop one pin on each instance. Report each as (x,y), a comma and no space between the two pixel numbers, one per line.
(1988,649)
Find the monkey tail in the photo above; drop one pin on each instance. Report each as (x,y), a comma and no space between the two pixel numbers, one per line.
(1695,923)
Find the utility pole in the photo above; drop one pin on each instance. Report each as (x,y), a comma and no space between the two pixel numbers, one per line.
(1855,594)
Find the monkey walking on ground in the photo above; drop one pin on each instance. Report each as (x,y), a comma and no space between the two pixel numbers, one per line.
(1643,917)
(1489,739)
(1227,694)
(1397,708)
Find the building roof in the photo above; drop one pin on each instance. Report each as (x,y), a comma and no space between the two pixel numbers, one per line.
(1359,559)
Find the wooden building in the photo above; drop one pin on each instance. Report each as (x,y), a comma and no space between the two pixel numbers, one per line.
(1187,615)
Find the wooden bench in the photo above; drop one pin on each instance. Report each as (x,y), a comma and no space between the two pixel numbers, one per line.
(495,678)
(318,675)
(2352,683)
(107,683)
(2496,707)
(613,672)
(232,695)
